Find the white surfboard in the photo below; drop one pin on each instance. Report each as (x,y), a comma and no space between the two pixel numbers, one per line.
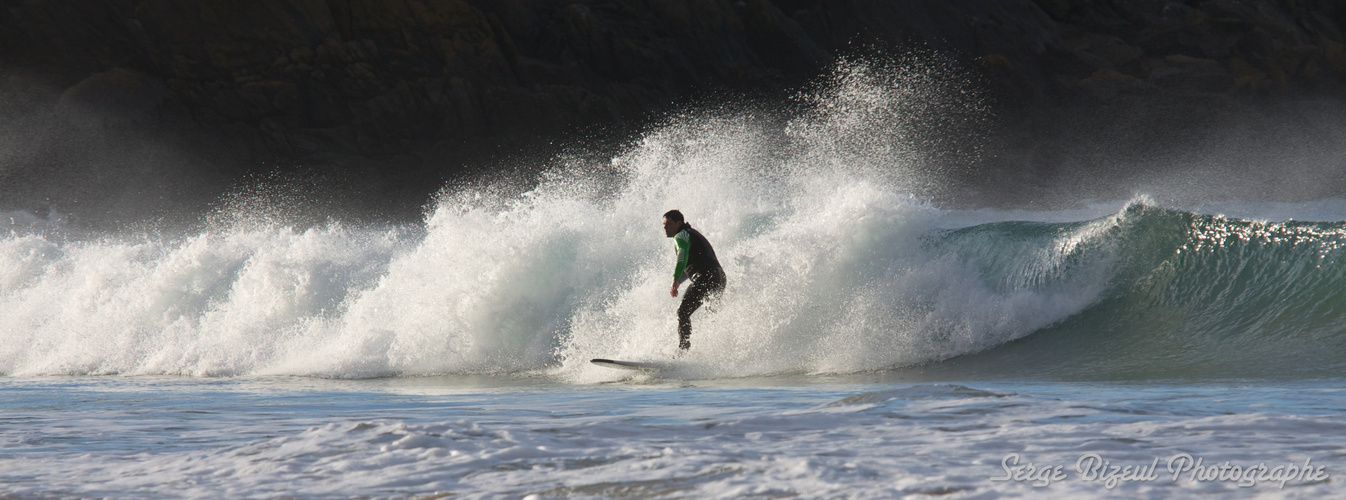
(628,365)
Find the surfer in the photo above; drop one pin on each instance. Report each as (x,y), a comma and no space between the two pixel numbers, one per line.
(697,262)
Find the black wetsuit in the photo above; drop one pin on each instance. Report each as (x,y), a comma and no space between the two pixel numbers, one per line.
(696,260)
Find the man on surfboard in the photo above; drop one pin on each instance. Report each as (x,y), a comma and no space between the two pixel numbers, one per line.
(697,262)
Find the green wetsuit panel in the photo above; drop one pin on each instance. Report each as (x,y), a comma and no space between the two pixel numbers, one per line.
(682,243)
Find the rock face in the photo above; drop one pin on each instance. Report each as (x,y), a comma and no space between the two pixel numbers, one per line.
(119,96)
(374,78)
(310,79)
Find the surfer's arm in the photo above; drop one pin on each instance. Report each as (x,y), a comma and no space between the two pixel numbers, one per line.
(683,244)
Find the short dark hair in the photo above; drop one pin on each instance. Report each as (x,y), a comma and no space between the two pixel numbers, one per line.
(673,215)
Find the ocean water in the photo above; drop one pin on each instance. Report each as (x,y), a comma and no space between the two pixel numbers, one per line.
(869,343)
(862,436)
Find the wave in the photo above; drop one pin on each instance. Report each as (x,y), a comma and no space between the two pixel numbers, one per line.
(1197,296)
(834,267)
(856,280)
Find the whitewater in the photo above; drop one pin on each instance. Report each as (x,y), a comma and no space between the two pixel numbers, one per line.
(870,344)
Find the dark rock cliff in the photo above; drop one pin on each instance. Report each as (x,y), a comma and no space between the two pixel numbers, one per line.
(399,94)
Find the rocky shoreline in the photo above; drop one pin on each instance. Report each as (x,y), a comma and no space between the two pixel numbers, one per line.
(398,97)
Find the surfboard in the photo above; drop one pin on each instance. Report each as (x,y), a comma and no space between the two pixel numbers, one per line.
(627,365)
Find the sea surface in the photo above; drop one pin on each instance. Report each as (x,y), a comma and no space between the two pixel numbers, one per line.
(859,436)
(869,344)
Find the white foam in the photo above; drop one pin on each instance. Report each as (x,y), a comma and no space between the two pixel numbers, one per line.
(709,443)
(209,304)
(825,249)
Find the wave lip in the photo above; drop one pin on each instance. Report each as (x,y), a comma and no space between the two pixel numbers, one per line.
(1200,296)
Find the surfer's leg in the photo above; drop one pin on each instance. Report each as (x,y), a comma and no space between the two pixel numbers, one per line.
(689,305)
(715,289)
(684,332)
(704,287)
(691,301)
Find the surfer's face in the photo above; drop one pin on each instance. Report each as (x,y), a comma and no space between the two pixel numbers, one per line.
(671,227)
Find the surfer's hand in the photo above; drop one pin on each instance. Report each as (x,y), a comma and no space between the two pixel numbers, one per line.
(673,291)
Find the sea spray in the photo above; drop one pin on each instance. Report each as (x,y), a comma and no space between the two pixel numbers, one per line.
(206,304)
(836,264)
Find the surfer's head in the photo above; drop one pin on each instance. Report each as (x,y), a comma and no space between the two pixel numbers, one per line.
(672,222)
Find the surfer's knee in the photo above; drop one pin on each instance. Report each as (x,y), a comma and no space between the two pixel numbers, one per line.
(687,308)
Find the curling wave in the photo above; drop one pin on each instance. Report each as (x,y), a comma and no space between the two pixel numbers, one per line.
(834,267)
